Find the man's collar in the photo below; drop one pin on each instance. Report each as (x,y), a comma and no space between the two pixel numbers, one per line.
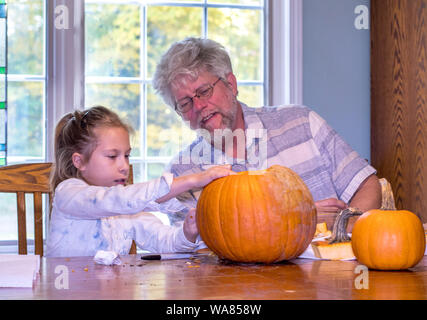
(251,118)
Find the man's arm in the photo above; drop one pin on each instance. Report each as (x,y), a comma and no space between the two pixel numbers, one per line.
(368,196)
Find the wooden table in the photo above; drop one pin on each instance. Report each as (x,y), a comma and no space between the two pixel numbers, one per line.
(208,278)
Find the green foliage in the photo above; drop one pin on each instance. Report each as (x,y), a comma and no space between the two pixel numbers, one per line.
(25,56)
(115,48)
(112,40)
(25,37)
(240,32)
(25,114)
(165,25)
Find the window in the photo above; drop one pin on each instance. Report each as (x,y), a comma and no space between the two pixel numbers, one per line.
(26,101)
(124,42)
(26,81)
(105,52)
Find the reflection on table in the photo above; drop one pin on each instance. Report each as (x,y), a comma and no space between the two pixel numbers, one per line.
(207,277)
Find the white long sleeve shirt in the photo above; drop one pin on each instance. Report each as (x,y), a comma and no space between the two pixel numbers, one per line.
(88,218)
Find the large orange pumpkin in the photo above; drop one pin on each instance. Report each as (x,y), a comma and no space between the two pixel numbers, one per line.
(259,216)
(388,239)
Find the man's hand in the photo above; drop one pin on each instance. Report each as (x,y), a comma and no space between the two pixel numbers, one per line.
(367,197)
(328,209)
(330,205)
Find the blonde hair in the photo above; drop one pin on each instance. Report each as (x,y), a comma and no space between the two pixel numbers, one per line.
(75,133)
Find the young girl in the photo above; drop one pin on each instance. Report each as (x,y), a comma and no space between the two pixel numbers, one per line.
(93,208)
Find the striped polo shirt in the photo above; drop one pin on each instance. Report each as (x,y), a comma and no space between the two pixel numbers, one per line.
(292,136)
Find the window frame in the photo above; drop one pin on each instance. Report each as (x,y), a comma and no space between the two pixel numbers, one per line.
(65,57)
(285,60)
(42,78)
(64,61)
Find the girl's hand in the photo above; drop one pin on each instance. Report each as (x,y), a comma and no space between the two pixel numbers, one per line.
(190,226)
(195,180)
(205,177)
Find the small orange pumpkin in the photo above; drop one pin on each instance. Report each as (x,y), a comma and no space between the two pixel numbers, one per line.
(259,216)
(388,239)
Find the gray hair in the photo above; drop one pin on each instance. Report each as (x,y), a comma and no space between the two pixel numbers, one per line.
(186,59)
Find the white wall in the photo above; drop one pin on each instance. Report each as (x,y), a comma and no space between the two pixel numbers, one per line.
(336,68)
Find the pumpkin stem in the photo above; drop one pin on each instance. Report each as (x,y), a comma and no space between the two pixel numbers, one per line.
(387,202)
(339,231)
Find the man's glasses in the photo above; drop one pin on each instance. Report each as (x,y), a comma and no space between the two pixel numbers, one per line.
(203,93)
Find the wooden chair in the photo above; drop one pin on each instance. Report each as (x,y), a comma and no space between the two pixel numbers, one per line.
(33,178)
(130,181)
(27,178)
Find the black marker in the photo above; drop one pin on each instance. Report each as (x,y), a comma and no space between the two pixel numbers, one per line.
(166,256)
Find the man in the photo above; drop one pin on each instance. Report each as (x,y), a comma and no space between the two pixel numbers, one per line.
(196,79)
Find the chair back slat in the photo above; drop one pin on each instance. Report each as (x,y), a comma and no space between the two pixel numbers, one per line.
(31,178)
(38,223)
(22,223)
(130,177)
(130,181)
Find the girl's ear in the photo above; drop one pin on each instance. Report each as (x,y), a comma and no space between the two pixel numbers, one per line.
(78,161)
